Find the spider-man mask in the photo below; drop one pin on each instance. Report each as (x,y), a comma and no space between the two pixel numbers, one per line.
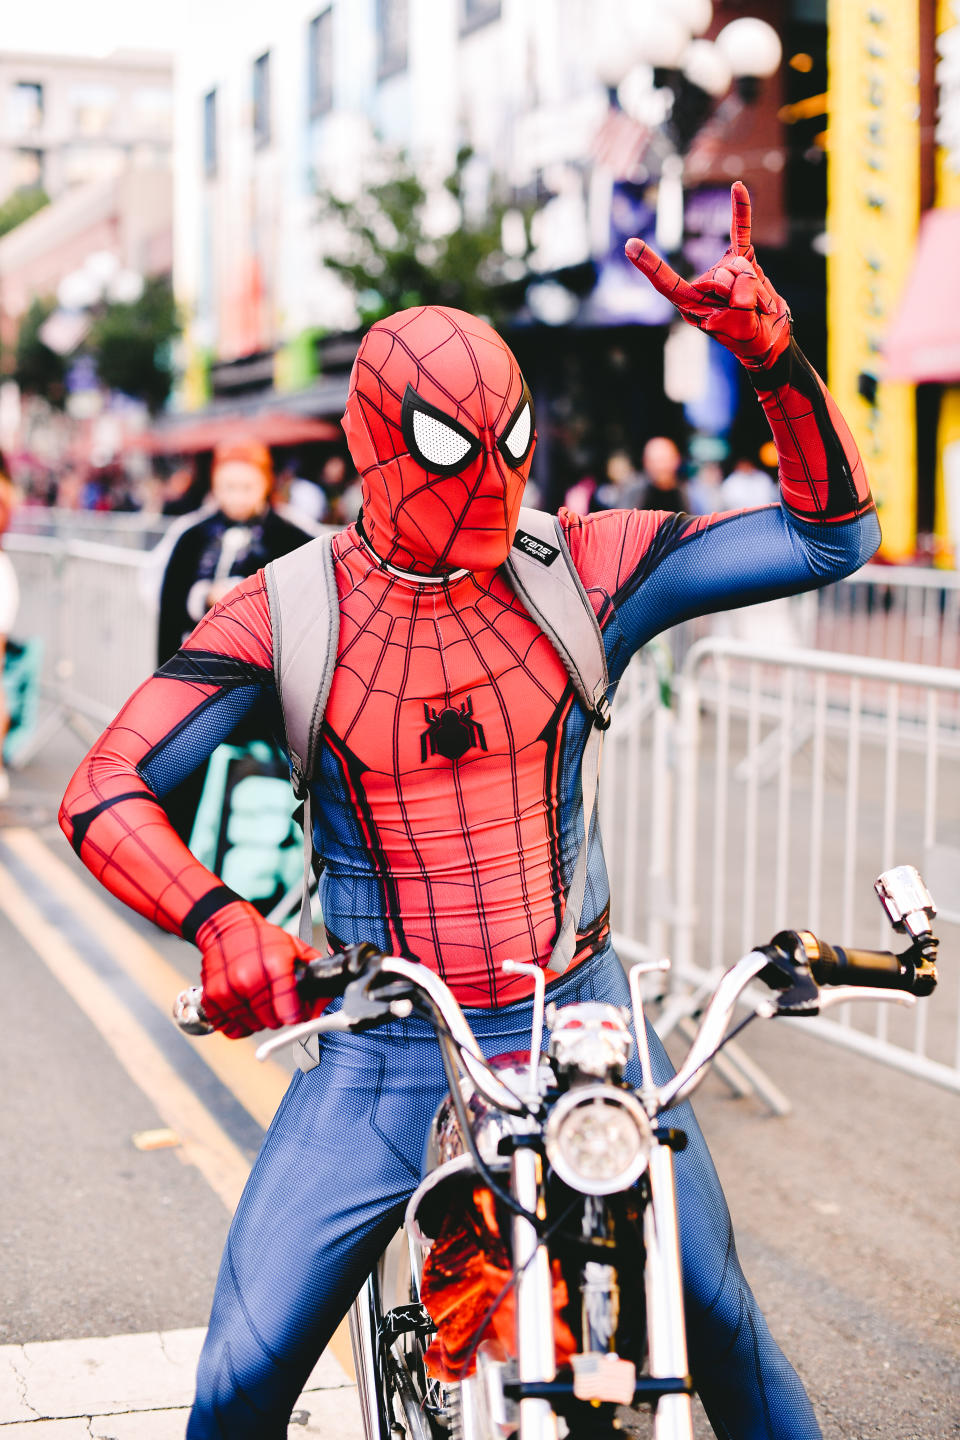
(440,427)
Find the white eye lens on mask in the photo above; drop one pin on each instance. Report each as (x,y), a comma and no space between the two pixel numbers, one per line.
(517,440)
(517,437)
(438,443)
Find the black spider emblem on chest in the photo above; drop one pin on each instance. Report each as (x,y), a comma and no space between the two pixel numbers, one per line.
(450,733)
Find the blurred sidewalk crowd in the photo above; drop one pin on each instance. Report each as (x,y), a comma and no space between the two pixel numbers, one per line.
(321,484)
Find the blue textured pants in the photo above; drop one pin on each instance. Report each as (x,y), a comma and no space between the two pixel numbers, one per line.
(328,1189)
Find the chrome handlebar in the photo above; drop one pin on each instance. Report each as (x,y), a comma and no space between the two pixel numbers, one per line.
(902,893)
(712,1029)
(443,1001)
(719,1013)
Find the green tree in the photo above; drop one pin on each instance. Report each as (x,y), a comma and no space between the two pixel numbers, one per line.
(389,262)
(37,369)
(131,344)
(20,205)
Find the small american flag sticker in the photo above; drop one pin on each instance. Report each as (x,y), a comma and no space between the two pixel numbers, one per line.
(598,1376)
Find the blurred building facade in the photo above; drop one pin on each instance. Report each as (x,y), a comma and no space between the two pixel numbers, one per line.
(129,216)
(95,137)
(304,93)
(894,303)
(68,120)
(560,113)
(91,139)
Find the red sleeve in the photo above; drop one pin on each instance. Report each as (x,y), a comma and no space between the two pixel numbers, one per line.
(110,812)
(608,549)
(822,476)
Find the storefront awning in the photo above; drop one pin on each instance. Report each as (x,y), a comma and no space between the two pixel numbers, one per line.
(271,428)
(923,342)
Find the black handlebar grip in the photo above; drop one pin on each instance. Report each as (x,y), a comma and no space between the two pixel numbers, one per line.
(330,975)
(838,965)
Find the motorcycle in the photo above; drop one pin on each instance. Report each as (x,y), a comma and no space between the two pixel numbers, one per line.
(547,1177)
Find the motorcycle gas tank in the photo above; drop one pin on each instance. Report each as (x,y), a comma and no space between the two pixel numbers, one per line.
(488,1125)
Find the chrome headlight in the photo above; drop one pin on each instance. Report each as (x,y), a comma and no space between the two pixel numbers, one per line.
(598,1139)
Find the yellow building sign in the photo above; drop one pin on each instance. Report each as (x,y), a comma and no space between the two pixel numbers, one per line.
(872,214)
(947,511)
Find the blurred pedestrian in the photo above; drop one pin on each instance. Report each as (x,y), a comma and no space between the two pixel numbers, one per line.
(622,487)
(305,495)
(230,539)
(342,488)
(180,492)
(703,489)
(579,498)
(660,486)
(747,486)
(238,533)
(9,599)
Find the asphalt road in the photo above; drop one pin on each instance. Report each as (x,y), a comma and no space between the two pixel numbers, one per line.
(845,1210)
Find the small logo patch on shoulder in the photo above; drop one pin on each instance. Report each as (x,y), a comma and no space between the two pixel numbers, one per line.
(537,549)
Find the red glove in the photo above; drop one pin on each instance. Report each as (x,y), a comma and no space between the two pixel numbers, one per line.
(734,301)
(249,981)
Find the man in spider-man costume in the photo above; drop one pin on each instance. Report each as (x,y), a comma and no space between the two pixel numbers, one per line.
(447,803)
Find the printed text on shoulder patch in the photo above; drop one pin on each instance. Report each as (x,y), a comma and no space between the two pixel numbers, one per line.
(537,549)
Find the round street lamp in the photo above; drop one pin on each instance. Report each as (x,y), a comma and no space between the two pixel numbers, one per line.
(659,38)
(695,14)
(753,51)
(706,66)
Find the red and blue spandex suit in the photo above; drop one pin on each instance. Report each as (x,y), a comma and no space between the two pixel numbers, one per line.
(448,815)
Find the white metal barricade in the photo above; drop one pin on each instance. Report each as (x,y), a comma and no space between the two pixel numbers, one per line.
(892,613)
(136,530)
(90,606)
(800,776)
(771,792)
(636,808)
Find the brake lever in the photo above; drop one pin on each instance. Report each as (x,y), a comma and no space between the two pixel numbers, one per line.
(360,1011)
(322,1025)
(827,998)
(840,994)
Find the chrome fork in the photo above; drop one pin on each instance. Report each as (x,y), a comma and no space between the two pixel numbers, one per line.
(536,1352)
(536,1355)
(365,1320)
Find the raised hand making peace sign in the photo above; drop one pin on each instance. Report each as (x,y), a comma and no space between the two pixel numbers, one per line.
(733,301)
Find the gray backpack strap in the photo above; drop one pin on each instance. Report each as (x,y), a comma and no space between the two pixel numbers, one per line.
(542,573)
(305,619)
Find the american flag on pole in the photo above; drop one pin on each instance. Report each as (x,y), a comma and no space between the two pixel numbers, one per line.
(620,143)
(598,1376)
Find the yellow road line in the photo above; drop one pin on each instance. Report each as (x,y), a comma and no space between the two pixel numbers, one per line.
(258,1087)
(204,1143)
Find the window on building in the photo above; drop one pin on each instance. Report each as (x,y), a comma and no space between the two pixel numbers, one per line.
(153,107)
(210,134)
(27,169)
(25,107)
(81,163)
(320,61)
(261,100)
(392,34)
(94,107)
(474,13)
